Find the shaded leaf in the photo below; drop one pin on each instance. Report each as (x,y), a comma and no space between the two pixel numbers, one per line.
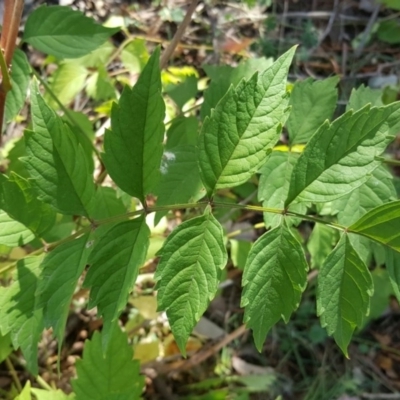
(393,268)
(381,224)
(343,294)
(188,273)
(19,313)
(114,266)
(64,32)
(57,162)
(362,96)
(133,148)
(245,124)
(274,278)
(112,376)
(312,103)
(320,244)
(20,77)
(183,131)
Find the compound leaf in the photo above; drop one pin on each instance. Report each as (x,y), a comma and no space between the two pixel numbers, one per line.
(275,275)
(57,162)
(341,155)
(381,224)
(19,200)
(114,265)
(110,376)
(64,32)
(344,288)
(133,148)
(20,77)
(312,103)
(243,127)
(19,313)
(189,271)
(61,268)
(274,185)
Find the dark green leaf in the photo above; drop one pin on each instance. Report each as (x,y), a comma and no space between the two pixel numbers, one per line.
(274,278)
(64,32)
(110,376)
(393,268)
(381,224)
(133,148)
(344,288)
(183,131)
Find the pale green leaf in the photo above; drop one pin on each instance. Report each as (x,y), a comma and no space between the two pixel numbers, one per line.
(341,156)
(66,82)
(183,131)
(344,290)
(61,268)
(244,126)
(321,243)
(381,224)
(19,313)
(378,189)
(98,57)
(64,32)
(393,268)
(134,56)
(274,278)
(223,76)
(312,103)
(188,273)
(13,233)
(274,185)
(25,393)
(180,178)
(99,86)
(133,148)
(110,376)
(57,162)
(19,200)
(239,252)
(41,394)
(362,96)
(114,266)
(5,346)
(20,77)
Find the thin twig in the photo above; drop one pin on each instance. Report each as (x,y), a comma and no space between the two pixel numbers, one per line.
(178,35)
(13,374)
(367,31)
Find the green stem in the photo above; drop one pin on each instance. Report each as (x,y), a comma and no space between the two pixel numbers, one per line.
(67,113)
(43,383)
(391,161)
(14,374)
(5,75)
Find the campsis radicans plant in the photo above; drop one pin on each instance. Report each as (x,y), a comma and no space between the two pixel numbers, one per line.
(329,172)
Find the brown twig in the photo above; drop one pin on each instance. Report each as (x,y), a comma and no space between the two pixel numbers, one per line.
(178,35)
(11,21)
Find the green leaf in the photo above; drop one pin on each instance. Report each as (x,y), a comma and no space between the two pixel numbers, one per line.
(19,313)
(341,156)
(312,103)
(19,200)
(41,394)
(274,278)
(378,189)
(239,252)
(112,376)
(64,32)
(389,31)
(66,82)
(188,273)
(57,162)
(184,91)
(245,124)
(99,86)
(320,244)
(114,267)
(26,392)
(362,96)
(381,224)
(20,77)
(61,268)
(180,178)
(13,233)
(344,288)
(134,56)
(5,346)
(107,203)
(133,148)
(393,268)
(223,76)
(183,131)
(274,186)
